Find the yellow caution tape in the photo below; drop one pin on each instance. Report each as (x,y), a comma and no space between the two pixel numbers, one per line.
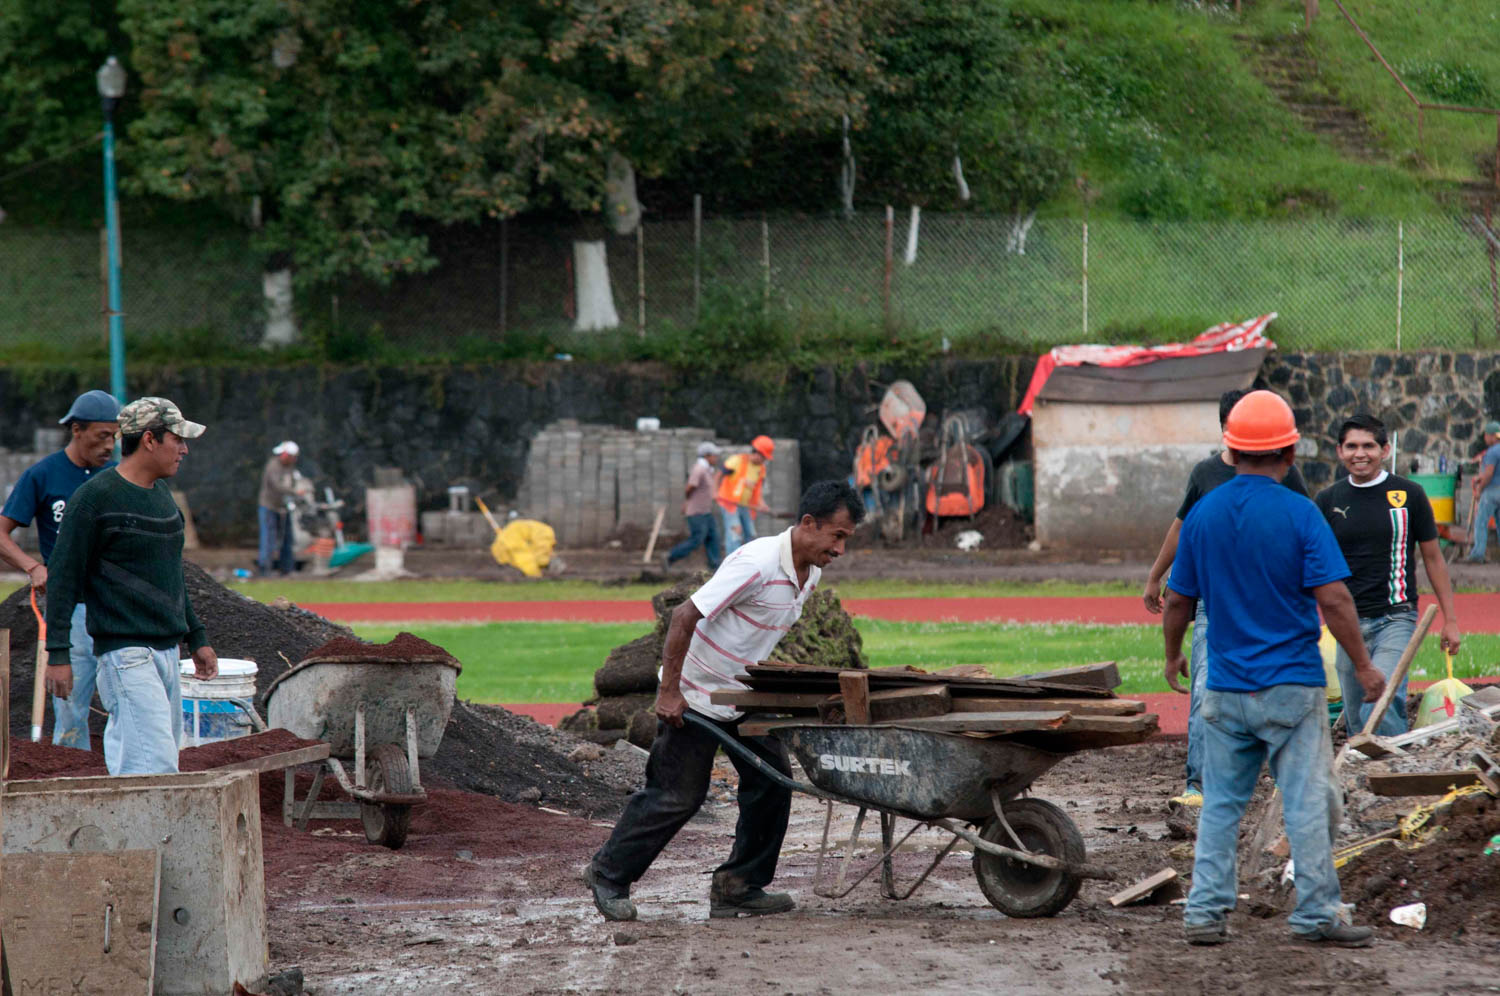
(1413,830)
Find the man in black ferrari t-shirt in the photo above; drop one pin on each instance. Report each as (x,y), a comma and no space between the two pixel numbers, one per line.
(1380,521)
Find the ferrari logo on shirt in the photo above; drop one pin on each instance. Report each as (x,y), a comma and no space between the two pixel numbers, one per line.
(1396,498)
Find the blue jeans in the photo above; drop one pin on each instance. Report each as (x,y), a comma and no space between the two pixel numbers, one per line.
(739,527)
(1198,684)
(1487,505)
(1287,726)
(275,529)
(705,533)
(142,689)
(70,716)
(1385,638)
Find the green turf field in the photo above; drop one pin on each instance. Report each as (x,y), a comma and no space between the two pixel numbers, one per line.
(555,662)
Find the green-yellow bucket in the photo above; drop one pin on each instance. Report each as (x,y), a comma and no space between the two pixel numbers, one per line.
(1440,489)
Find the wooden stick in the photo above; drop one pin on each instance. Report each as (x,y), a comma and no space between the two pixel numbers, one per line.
(855,687)
(661,513)
(1377,711)
(39,674)
(4,707)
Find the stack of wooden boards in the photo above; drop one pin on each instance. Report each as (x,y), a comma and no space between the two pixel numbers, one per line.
(1064,710)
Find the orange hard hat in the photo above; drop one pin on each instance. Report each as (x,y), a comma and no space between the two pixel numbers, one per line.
(764,445)
(1260,422)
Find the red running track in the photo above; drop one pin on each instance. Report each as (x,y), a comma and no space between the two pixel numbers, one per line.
(1477,613)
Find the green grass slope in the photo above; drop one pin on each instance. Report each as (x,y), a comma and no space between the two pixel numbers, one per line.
(1176,124)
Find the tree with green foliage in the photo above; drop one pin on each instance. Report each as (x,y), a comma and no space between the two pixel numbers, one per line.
(352,121)
(967,109)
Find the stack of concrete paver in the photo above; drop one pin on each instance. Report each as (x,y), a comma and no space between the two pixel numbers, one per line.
(588,482)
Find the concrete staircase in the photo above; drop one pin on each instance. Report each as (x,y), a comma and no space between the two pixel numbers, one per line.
(1290,71)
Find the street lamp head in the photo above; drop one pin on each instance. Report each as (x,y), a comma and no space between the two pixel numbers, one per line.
(111,79)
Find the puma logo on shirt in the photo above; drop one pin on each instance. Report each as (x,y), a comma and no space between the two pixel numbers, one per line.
(1342,511)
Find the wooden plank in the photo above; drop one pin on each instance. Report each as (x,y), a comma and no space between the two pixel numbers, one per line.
(893,704)
(798,677)
(763,727)
(1144,888)
(1420,782)
(274,762)
(855,688)
(1077,723)
(1087,707)
(53,914)
(1093,732)
(768,700)
(1105,674)
(988,722)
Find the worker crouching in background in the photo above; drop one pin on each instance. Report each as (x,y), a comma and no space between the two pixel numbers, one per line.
(1265,561)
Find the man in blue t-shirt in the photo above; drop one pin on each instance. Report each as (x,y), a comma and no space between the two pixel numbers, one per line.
(42,494)
(1486,492)
(1264,562)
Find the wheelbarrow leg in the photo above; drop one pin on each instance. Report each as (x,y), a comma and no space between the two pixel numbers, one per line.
(859,823)
(312,798)
(359,746)
(887,873)
(411,748)
(289,797)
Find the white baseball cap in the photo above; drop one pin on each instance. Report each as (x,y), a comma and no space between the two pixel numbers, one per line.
(707,449)
(286,446)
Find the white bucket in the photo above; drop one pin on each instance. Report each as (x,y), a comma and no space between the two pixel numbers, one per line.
(207,714)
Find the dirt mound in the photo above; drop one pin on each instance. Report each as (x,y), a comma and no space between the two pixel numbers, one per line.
(484,749)
(1451,874)
(630,668)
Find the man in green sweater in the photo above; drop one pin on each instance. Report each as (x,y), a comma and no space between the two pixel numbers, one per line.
(119,551)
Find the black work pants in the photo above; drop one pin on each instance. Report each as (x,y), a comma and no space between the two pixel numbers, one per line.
(677,777)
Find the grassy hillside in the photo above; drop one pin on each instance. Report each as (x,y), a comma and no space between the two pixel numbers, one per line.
(1177,124)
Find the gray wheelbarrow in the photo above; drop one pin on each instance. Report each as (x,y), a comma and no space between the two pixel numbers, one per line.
(399,706)
(1029,857)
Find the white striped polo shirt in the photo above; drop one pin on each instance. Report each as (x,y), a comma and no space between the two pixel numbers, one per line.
(747,605)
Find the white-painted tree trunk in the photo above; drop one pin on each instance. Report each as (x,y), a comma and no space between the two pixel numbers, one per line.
(281,321)
(591,290)
(846,174)
(1020,224)
(911,235)
(958,178)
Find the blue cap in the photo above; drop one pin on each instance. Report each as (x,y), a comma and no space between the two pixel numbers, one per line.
(92,406)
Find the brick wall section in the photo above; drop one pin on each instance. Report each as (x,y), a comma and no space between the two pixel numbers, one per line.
(1437,402)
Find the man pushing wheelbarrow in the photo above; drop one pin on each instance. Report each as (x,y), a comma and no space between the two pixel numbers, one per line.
(733,621)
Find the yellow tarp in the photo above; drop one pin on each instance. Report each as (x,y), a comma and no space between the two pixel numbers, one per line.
(526,545)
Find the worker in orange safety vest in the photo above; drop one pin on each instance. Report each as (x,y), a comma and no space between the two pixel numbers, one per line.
(739,492)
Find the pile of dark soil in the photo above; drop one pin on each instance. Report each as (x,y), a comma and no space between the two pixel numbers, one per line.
(1451,873)
(484,749)
(1002,529)
(403,647)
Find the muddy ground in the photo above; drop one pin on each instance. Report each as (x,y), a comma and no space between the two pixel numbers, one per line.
(492,903)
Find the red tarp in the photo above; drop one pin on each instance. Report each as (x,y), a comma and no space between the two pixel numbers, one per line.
(1226,337)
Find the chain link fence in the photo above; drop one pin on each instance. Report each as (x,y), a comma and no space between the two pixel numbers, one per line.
(1428,283)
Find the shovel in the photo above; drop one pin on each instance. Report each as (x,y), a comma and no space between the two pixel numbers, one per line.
(39,677)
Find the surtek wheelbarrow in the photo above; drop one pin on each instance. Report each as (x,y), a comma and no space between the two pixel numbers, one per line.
(401,706)
(1028,854)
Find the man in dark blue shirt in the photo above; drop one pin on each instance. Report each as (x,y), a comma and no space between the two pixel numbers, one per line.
(42,494)
(1264,561)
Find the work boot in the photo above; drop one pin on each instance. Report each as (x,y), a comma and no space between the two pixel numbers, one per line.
(1341,935)
(1213,932)
(609,899)
(728,897)
(1192,798)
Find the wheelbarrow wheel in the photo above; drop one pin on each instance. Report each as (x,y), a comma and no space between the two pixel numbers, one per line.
(387,771)
(1016,888)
